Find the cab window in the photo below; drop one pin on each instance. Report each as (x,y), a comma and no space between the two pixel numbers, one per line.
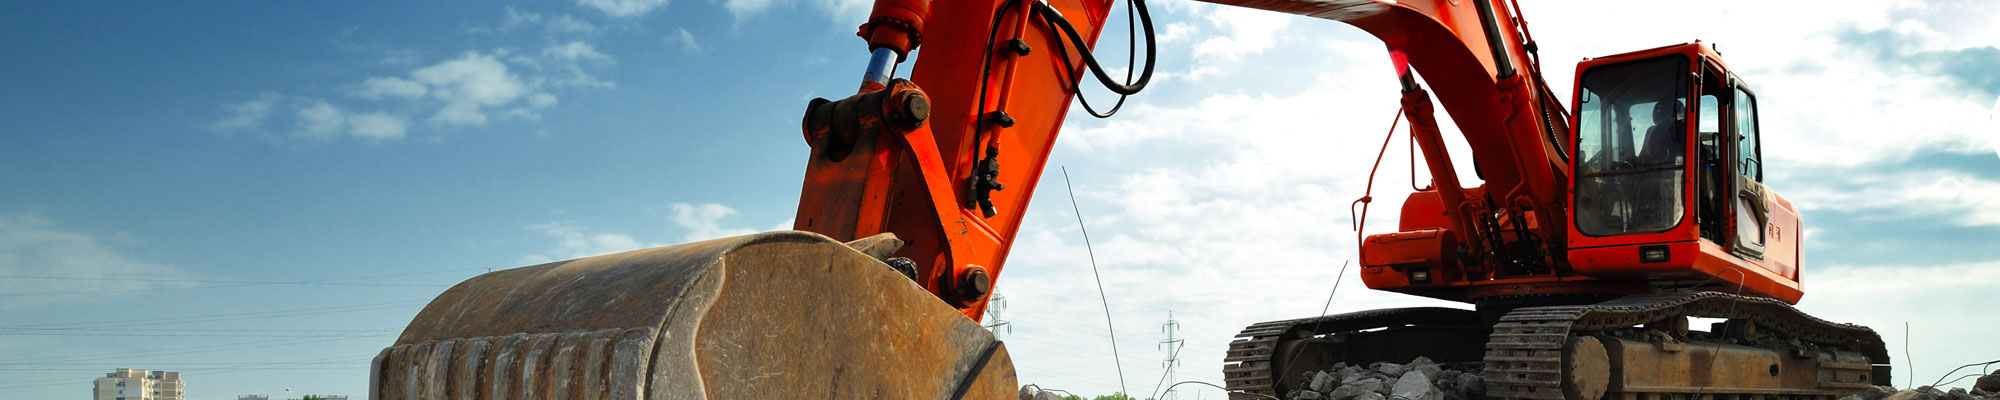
(1631,142)
(1751,165)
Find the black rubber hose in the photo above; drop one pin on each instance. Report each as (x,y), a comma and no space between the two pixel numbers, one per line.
(1062,52)
(1083,47)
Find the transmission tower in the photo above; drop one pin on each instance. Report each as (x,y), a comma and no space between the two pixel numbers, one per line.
(1173,347)
(994,306)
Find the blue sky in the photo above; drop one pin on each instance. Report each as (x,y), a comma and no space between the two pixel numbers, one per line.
(348,161)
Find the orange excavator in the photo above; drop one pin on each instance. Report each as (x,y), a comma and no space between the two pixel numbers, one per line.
(1598,233)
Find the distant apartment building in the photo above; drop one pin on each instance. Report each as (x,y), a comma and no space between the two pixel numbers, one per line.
(138,384)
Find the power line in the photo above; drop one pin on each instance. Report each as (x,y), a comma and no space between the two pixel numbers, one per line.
(1100,281)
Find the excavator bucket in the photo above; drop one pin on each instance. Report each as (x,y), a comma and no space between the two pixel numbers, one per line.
(764,316)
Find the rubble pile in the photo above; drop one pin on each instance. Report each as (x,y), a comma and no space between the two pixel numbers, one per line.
(1032,392)
(1421,379)
(1986,388)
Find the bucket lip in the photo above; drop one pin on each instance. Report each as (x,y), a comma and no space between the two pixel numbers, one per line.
(636,289)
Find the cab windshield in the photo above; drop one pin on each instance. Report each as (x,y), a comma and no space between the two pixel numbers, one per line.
(1631,139)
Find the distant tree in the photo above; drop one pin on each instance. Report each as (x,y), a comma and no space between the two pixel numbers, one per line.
(1114,396)
(312,397)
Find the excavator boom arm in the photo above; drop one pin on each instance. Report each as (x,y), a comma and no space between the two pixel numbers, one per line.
(999,76)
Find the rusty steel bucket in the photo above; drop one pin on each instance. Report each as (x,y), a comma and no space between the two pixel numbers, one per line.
(764,316)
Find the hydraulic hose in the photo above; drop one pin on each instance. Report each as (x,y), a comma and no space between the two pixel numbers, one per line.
(1083,47)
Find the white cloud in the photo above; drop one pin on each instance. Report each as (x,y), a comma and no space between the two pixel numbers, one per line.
(697,222)
(518,18)
(623,8)
(574,241)
(840,12)
(566,64)
(567,24)
(377,88)
(318,120)
(472,89)
(1243,32)
(684,40)
(377,126)
(34,245)
(558,24)
(314,119)
(746,8)
(468,86)
(1993,126)
(1175,32)
(247,115)
(541,100)
(1964,198)
(703,221)
(576,51)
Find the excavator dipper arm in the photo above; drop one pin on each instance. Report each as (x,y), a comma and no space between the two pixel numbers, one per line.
(948,160)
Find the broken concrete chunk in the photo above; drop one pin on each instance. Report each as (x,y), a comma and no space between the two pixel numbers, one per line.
(1429,368)
(1348,391)
(1032,392)
(1910,395)
(1390,369)
(1322,382)
(1989,383)
(1472,384)
(1414,385)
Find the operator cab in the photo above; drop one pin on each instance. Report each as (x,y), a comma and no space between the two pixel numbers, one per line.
(1668,177)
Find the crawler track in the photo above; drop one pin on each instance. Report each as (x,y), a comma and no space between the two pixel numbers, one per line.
(1524,353)
(1524,357)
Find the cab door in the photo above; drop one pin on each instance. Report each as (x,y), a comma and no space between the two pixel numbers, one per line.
(1751,202)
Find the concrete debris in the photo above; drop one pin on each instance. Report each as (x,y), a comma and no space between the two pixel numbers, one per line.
(1910,395)
(1390,369)
(1989,384)
(1370,385)
(1322,382)
(1414,385)
(1421,379)
(1871,393)
(1032,392)
(1921,393)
